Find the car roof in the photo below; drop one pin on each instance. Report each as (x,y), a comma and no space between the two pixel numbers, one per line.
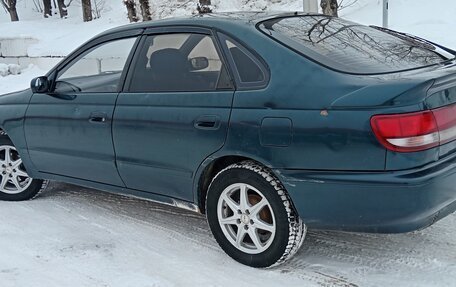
(216,20)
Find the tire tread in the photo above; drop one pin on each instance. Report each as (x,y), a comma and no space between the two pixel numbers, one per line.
(297,229)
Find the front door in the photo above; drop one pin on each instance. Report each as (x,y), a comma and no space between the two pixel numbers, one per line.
(173,114)
(68,130)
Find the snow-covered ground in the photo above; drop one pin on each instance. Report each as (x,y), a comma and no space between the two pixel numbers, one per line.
(71,236)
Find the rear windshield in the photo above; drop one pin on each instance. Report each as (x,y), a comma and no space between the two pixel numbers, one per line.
(350,47)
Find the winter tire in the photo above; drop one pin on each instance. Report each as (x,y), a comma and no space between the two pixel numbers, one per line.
(252,217)
(15,183)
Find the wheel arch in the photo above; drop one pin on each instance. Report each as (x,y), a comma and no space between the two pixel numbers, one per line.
(211,167)
(17,137)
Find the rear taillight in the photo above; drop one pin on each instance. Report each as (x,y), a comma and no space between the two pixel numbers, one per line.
(446,121)
(416,131)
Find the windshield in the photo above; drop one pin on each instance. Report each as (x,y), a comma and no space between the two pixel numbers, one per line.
(351,47)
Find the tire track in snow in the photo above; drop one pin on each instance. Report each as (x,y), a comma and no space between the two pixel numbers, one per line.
(180,224)
(327,258)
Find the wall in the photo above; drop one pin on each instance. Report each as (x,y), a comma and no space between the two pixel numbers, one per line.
(15,51)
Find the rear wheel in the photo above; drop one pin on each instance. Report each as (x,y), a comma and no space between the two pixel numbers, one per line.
(251,216)
(15,183)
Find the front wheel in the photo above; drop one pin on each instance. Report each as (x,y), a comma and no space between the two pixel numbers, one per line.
(15,183)
(252,217)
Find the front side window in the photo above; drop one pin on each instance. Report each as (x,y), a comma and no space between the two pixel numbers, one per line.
(98,70)
(182,62)
(351,47)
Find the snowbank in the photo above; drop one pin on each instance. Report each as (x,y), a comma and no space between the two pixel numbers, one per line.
(4,70)
(20,81)
(10,69)
(14,69)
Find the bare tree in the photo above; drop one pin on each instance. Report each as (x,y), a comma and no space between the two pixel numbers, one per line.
(10,7)
(98,7)
(38,7)
(330,7)
(145,10)
(346,3)
(86,10)
(131,9)
(62,8)
(47,8)
(204,6)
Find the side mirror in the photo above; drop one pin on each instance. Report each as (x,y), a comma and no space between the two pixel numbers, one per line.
(40,85)
(199,63)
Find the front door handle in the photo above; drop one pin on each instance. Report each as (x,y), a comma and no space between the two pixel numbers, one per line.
(98,118)
(208,122)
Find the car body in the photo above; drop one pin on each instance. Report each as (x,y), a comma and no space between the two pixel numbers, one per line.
(304,116)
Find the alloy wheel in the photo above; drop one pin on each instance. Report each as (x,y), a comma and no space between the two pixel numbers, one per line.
(246,218)
(14,178)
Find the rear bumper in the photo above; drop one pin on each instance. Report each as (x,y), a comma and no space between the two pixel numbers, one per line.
(379,202)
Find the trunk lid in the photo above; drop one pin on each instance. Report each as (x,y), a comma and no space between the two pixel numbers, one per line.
(401,89)
(408,92)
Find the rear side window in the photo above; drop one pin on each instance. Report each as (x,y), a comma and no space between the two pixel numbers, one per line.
(180,62)
(350,47)
(248,69)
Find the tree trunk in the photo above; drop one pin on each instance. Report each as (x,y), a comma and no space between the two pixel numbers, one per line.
(47,8)
(131,8)
(12,10)
(145,10)
(62,9)
(204,6)
(330,7)
(86,10)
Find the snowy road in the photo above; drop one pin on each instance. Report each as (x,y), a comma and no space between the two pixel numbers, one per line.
(72,236)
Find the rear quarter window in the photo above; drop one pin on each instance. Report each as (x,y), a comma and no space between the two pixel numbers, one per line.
(347,46)
(249,71)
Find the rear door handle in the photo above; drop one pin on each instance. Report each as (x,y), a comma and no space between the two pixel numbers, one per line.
(208,122)
(98,117)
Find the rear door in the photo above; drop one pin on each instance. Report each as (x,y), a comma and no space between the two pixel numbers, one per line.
(174,112)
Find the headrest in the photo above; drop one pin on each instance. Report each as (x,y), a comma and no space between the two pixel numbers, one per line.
(169,60)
